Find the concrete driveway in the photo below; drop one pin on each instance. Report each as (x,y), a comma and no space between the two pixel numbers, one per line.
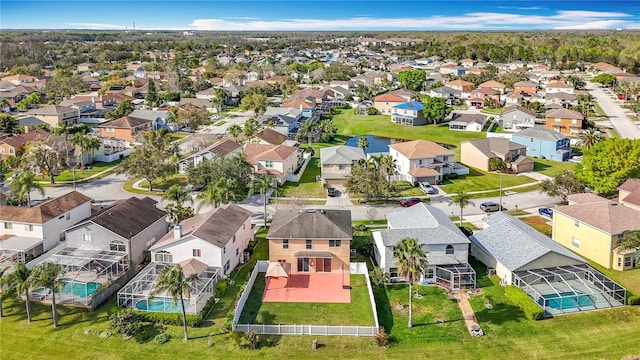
(625,127)
(235,117)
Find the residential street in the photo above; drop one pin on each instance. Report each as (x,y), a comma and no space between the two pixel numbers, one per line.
(620,121)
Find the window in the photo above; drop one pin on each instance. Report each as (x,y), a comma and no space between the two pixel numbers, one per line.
(531,140)
(342,167)
(117,246)
(420,162)
(335,243)
(268,163)
(86,237)
(449,250)
(574,121)
(309,246)
(226,267)
(576,223)
(303,265)
(575,243)
(8,225)
(237,251)
(557,119)
(393,272)
(197,252)
(224,250)
(28,227)
(627,261)
(163,256)
(234,239)
(619,261)
(67,216)
(285,243)
(11,151)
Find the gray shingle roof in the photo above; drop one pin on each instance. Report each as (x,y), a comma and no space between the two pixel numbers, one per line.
(311,224)
(129,217)
(541,133)
(341,155)
(515,244)
(492,146)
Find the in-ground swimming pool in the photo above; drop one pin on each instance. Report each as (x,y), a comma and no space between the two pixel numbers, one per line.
(159,305)
(79,288)
(566,300)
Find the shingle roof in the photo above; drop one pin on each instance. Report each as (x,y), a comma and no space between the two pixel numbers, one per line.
(257,152)
(492,84)
(558,85)
(511,108)
(630,185)
(492,146)
(271,136)
(44,211)
(19,140)
(389,97)
(423,216)
(126,122)
(515,244)
(216,227)
(468,118)
(52,110)
(192,266)
(541,133)
(585,198)
(564,113)
(341,155)
(311,224)
(150,114)
(420,149)
(608,216)
(128,217)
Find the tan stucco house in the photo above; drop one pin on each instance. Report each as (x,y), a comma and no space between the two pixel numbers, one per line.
(478,153)
(336,163)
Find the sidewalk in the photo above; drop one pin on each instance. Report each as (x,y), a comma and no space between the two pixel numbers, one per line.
(87,179)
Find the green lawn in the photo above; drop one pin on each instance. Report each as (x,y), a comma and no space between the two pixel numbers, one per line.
(539,223)
(308,186)
(358,312)
(159,185)
(479,180)
(629,279)
(492,111)
(89,170)
(533,187)
(550,167)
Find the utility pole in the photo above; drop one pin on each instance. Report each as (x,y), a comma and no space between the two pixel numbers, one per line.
(500,203)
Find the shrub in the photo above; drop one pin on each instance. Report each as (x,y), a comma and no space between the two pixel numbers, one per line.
(105,334)
(126,322)
(381,338)
(171,318)
(531,310)
(161,339)
(221,288)
(360,227)
(633,300)
(451,176)
(372,111)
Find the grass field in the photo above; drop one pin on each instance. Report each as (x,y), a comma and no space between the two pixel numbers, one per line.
(94,169)
(479,180)
(358,312)
(308,186)
(550,167)
(539,223)
(159,185)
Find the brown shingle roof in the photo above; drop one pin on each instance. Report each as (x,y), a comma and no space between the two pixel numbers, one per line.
(297,103)
(420,149)
(125,122)
(256,152)
(192,266)
(519,108)
(216,226)
(311,224)
(630,185)
(129,217)
(493,146)
(388,97)
(584,198)
(271,136)
(19,140)
(44,211)
(608,216)
(52,110)
(564,114)
(492,84)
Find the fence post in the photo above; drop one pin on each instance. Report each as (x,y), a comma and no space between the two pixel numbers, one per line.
(263,325)
(279,330)
(326,330)
(341,332)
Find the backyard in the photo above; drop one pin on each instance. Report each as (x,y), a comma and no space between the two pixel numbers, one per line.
(479,180)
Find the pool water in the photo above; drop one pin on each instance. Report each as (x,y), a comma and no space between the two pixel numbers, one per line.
(566,300)
(80,289)
(381,144)
(159,305)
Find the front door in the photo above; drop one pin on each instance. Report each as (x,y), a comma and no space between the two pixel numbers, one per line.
(303,264)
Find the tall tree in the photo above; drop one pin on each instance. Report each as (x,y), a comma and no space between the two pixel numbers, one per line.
(497,164)
(462,199)
(177,194)
(9,124)
(630,240)
(367,178)
(124,108)
(254,102)
(262,184)
(45,159)
(307,131)
(604,79)
(21,187)
(174,283)
(218,100)
(5,289)
(411,261)
(609,163)
(50,276)
(588,139)
(235,131)
(64,84)
(412,79)
(151,160)
(20,280)
(563,185)
(363,142)
(152,93)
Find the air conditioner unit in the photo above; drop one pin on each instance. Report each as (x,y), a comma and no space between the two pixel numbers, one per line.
(491,271)
(353,253)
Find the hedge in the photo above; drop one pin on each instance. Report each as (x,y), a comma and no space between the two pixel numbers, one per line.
(221,288)
(531,310)
(633,300)
(193,320)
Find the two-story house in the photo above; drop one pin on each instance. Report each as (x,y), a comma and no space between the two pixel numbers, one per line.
(131,225)
(283,120)
(54,115)
(224,148)
(591,226)
(311,240)
(564,121)
(336,163)
(527,86)
(307,105)
(409,113)
(126,128)
(461,85)
(276,161)
(447,248)
(30,231)
(494,85)
(478,153)
(216,238)
(543,143)
(558,86)
(629,193)
(421,160)
(14,145)
(516,118)
(384,103)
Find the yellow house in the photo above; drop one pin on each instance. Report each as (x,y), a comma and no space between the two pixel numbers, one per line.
(591,226)
(311,241)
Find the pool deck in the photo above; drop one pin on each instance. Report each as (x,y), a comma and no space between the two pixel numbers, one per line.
(309,288)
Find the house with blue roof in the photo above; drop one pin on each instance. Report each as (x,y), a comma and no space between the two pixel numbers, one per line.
(409,113)
(446,247)
(544,143)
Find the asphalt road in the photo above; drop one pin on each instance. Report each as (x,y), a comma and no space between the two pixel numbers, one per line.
(620,121)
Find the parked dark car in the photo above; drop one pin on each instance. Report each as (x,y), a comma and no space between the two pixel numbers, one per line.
(546,212)
(409,202)
(489,206)
(332,192)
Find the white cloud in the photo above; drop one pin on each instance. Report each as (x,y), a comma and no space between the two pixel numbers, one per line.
(469,21)
(97,26)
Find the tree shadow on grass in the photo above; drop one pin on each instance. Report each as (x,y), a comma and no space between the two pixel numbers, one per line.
(500,314)
(383,307)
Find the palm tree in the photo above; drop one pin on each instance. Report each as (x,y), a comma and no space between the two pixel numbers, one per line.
(307,130)
(212,195)
(629,240)
(235,131)
(49,275)
(92,144)
(461,199)
(5,288)
(173,281)
(588,139)
(22,186)
(363,142)
(63,129)
(228,189)
(411,261)
(497,164)
(218,100)
(262,185)
(79,139)
(21,281)
(177,194)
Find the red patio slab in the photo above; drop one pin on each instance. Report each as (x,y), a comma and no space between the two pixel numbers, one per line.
(308,288)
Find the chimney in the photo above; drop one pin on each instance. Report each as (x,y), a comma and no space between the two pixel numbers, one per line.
(26,129)
(177,232)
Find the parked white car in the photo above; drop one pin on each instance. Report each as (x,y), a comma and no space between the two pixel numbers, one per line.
(426,188)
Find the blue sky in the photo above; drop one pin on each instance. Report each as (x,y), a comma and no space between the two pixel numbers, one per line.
(238,15)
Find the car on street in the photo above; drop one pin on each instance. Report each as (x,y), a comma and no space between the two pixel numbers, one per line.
(426,188)
(409,202)
(546,212)
(489,206)
(332,192)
